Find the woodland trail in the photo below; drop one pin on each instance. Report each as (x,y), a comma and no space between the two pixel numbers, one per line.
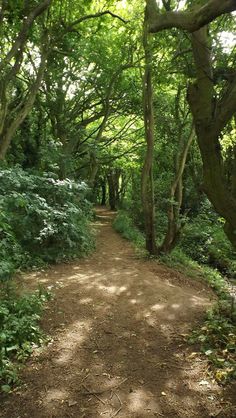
(118,349)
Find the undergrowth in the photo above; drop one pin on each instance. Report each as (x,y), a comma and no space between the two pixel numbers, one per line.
(217,336)
(217,340)
(19,331)
(42,220)
(125,226)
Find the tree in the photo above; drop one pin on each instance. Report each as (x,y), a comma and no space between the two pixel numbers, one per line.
(210,114)
(12,110)
(147,186)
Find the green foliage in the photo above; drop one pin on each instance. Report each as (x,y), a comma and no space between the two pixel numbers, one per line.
(217,336)
(196,238)
(42,219)
(217,339)
(183,263)
(125,226)
(19,331)
(221,253)
(203,240)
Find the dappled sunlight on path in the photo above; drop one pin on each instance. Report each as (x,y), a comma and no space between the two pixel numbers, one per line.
(118,326)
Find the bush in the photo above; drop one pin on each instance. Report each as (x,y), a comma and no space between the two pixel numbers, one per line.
(183,263)
(196,238)
(204,240)
(42,219)
(125,226)
(217,339)
(221,253)
(19,331)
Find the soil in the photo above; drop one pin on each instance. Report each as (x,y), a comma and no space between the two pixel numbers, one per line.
(118,326)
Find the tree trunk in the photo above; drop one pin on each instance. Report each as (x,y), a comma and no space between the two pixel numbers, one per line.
(14,120)
(176,197)
(209,119)
(147,186)
(112,191)
(103,199)
(210,114)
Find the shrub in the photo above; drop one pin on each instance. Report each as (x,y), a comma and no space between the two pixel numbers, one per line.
(204,240)
(19,331)
(42,219)
(217,339)
(125,226)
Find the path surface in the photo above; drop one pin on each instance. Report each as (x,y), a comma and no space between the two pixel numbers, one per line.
(117,325)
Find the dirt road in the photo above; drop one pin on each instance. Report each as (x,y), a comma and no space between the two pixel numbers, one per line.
(118,347)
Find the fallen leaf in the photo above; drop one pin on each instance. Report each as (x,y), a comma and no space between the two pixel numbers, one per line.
(204,383)
(72,403)
(192,355)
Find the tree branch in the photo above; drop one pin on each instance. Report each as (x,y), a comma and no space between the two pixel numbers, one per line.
(22,36)
(92,16)
(226,107)
(190,20)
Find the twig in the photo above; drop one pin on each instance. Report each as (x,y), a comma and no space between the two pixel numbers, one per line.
(119,409)
(84,378)
(94,394)
(116,413)
(118,398)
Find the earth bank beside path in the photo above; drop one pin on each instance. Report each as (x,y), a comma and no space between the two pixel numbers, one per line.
(118,326)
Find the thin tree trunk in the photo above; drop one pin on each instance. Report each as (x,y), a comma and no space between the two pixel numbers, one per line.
(111,191)
(103,199)
(147,186)
(175,198)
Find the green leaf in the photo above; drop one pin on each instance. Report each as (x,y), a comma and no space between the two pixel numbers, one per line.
(6,388)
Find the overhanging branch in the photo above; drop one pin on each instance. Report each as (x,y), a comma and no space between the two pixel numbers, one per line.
(190,20)
(92,16)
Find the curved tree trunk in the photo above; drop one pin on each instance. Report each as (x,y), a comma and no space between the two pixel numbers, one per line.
(210,116)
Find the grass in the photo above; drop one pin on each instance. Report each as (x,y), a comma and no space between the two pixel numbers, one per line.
(125,226)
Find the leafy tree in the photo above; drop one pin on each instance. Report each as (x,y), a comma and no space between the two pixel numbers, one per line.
(211,114)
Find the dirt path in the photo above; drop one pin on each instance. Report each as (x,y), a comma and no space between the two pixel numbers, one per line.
(117,325)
